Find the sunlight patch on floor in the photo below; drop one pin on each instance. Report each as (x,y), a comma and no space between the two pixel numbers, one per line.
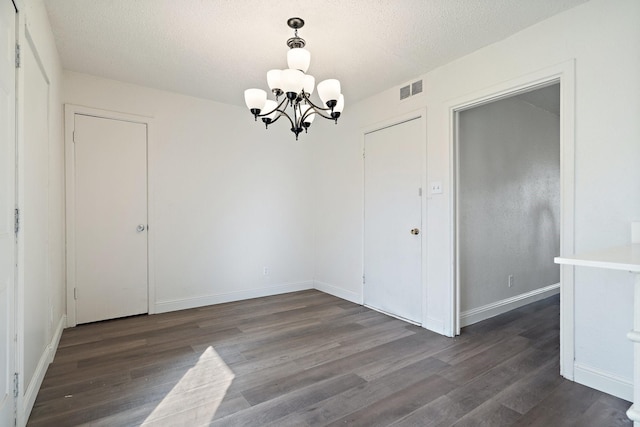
(198,394)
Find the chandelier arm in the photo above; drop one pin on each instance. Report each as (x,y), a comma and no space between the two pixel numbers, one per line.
(283,113)
(275,109)
(318,110)
(309,112)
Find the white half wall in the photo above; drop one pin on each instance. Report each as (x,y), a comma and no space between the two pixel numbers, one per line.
(601,36)
(227,198)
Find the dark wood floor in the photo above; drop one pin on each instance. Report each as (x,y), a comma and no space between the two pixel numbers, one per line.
(310,359)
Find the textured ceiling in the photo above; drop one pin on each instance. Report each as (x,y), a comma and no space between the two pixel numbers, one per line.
(217,48)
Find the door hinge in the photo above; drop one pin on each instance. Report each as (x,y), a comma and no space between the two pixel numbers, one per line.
(363,154)
(16,385)
(73,136)
(16,221)
(363,279)
(17,55)
(420,192)
(75,293)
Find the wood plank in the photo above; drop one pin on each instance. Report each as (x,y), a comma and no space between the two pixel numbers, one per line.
(398,405)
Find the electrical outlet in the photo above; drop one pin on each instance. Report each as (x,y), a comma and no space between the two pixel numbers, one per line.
(510,280)
(265,271)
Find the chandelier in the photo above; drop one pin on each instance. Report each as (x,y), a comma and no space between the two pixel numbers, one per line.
(297,88)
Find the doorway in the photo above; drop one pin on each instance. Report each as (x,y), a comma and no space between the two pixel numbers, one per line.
(508,199)
(563,73)
(394,159)
(108,264)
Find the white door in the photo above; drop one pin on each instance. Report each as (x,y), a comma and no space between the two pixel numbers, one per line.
(392,216)
(7,206)
(110,218)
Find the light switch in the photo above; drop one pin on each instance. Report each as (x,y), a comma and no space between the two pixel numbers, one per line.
(436,187)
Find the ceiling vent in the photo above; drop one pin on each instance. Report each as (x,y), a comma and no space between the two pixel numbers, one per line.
(410,90)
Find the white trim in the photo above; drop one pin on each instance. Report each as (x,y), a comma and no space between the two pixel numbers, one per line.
(26,399)
(48,354)
(70,111)
(55,340)
(186,303)
(603,381)
(565,74)
(337,291)
(395,316)
(633,413)
(487,311)
(419,114)
(435,325)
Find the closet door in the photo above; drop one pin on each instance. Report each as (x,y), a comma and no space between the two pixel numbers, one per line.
(110,218)
(393,212)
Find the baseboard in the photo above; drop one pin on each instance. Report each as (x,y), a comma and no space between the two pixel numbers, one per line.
(186,303)
(603,381)
(55,341)
(475,315)
(41,369)
(338,292)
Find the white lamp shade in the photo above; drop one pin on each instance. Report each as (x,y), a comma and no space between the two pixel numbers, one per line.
(299,59)
(309,83)
(292,80)
(329,90)
(269,106)
(340,105)
(274,79)
(310,117)
(255,98)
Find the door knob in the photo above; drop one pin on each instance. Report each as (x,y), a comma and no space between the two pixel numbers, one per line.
(415,231)
(140,228)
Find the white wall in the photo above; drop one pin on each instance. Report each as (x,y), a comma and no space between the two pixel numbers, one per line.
(602,36)
(227,197)
(508,205)
(41,256)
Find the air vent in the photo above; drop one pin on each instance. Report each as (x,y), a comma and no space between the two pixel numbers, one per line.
(405,92)
(416,87)
(410,90)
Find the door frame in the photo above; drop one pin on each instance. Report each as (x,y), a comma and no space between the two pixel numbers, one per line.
(70,111)
(564,74)
(27,391)
(14,327)
(421,115)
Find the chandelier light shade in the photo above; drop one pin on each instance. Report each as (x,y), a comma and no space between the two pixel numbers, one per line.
(255,99)
(274,79)
(299,58)
(295,87)
(292,82)
(309,83)
(271,105)
(329,92)
(340,105)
